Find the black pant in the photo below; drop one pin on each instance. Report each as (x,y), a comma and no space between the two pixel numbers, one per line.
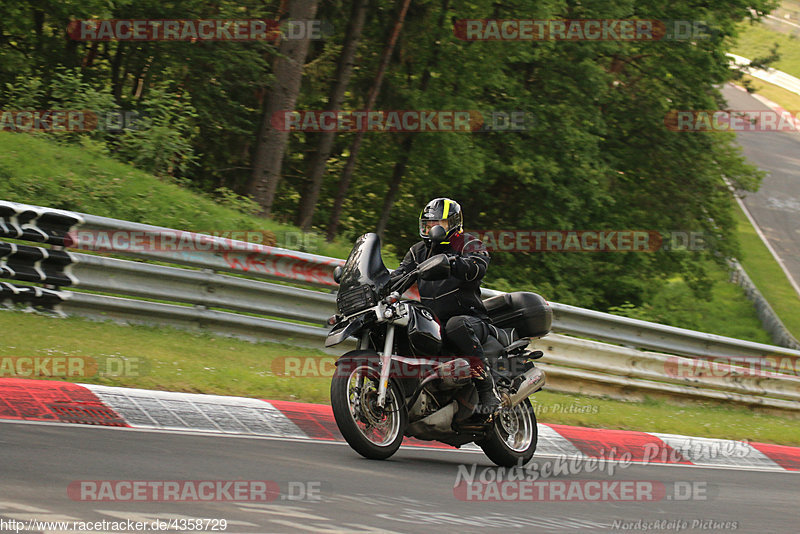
(466,334)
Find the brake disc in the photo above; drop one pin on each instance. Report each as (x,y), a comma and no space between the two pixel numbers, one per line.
(509,422)
(370,413)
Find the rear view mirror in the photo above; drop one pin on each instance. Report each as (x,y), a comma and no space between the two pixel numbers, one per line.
(437,234)
(337,273)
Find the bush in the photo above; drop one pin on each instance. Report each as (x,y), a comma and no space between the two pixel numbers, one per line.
(159,141)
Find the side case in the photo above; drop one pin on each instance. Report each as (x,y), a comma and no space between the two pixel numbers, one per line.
(529,313)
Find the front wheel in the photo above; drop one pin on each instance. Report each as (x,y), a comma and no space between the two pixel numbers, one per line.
(371,431)
(513,436)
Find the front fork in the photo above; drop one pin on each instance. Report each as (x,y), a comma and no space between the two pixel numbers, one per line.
(386,365)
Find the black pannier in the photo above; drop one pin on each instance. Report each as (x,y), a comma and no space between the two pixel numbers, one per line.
(529,313)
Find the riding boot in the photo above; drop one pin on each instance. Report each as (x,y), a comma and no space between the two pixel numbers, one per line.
(488,398)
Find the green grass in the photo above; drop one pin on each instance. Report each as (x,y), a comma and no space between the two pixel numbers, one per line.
(786,99)
(767,275)
(36,170)
(174,360)
(728,313)
(756,41)
(163,358)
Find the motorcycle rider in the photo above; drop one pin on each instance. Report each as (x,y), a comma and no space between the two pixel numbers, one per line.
(456,300)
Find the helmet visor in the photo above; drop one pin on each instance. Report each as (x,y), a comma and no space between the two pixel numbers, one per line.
(425,225)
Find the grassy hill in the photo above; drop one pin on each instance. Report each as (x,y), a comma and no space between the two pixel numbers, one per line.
(38,170)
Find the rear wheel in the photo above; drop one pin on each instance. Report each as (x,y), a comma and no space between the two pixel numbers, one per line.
(513,436)
(371,431)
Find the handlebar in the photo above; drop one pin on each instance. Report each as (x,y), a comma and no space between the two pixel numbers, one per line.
(435,267)
(398,285)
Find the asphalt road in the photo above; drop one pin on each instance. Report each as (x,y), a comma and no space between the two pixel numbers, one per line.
(776,205)
(412,492)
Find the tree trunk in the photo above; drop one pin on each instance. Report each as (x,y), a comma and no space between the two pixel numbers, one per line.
(347,174)
(38,28)
(394,186)
(408,142)
(271,146)
(116,78)
(91,55)
(344,70)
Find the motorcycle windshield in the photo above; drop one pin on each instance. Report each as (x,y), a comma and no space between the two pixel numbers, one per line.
(364,265)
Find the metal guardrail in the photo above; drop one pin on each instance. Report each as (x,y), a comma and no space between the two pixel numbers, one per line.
(582,366)
(640,334)
(201,288)
(245,302)
(769,319)
(212,252)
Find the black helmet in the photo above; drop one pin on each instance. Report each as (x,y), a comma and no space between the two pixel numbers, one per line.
(441,209)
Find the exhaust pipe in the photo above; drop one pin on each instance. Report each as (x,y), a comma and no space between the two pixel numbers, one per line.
(532,381)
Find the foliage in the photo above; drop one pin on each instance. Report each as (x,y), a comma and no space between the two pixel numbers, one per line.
(161,141)
(157,138)
(596,155)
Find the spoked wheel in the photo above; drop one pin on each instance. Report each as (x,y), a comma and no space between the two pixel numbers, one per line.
(513,436)
(372,431)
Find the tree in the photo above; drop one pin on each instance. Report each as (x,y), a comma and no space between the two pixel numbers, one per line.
(319,159)
(271,145)
(408,142)
(347,174)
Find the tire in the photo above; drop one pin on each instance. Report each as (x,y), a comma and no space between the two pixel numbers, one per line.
(513,436)
(370,431)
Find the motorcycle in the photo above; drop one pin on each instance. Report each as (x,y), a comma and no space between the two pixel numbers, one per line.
(400,381)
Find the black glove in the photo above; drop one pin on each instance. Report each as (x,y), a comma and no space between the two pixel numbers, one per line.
(435,268)
(453,264)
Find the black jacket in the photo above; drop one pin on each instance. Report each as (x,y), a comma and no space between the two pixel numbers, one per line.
(460,293)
